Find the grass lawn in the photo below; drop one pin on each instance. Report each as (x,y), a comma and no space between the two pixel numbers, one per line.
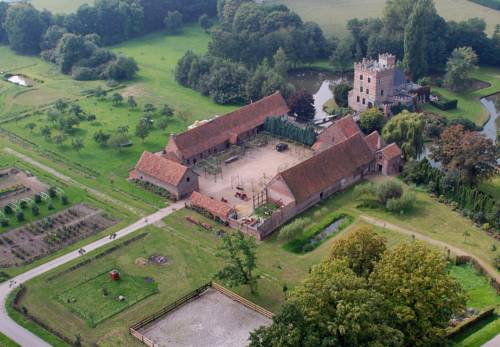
(60,6)
(332,15)
(6,342)
(469,105)
(96,300)
(50,85)
(492,187)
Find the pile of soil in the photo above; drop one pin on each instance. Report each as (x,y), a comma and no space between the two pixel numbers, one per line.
(158,260)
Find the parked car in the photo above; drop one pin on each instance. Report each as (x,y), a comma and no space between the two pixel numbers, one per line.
(281,147)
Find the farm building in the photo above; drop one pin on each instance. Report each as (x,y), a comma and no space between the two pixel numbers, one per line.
(216,209)
(179,180)
(220,133)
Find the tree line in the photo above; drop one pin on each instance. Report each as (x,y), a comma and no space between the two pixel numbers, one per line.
(414,31)
(250,52)
(75,41)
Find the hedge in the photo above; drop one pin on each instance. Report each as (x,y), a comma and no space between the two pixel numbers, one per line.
(467,323)
(302,244)
(443,103)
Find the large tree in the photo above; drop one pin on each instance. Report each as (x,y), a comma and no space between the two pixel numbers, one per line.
(414,278)
(362,248)
(371,120)
(302,106)
(332,307)
(238,252)
(24,27)
(471,154)
(460,64)
(407,130)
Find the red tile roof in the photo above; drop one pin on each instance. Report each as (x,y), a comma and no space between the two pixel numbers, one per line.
(391,151)
(227,127)
(374,140)
(215,207)
(163,169)
(338,132)
(325,169)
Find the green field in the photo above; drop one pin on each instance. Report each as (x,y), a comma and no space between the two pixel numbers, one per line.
(6,342)
(332,15)
(492,187)
(97,299)
(469,105)
(59,6)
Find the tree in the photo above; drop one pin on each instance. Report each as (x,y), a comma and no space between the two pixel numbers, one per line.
(142,130)
(59,139)
(101,138)
(341,94)
(407,131)
(61,105)
(131,102)
(415,39)
(414,278)
(166,111)
(302,106)
(173,22)
(76,110)
(35,210)
(46,132)
(332,307)
(30,126)
(461,62)
(371,120)
(281,63)
(78,144)
(239,255)
(116,99)
(162,124)
(121,69)
(362,248)
(122,129)
(24,27)
(471,154)
(342,59)
(205,22)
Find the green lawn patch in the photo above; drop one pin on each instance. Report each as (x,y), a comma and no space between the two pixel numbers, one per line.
(318,233)
(98,298)
(6,342)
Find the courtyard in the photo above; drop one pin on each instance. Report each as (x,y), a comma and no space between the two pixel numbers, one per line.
(250,172)
(212,319)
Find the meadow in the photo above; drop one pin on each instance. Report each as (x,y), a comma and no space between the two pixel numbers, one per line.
(333,15)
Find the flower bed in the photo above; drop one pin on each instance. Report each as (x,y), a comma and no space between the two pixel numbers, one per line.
(318,233)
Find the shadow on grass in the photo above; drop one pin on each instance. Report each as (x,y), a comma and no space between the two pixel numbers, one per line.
(475,328)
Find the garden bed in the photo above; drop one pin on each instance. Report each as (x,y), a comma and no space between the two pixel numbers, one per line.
(32,241)
(318,233)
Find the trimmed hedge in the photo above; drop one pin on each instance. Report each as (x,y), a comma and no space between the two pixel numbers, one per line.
(302,243)
(467,323)
(444,104)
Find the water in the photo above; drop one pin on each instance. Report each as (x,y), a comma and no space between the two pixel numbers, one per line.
(318,83)
(329,230)
(19,80)
(492,104)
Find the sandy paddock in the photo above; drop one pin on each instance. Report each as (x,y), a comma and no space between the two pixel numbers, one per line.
(251,172)
(12,176)
(212,319)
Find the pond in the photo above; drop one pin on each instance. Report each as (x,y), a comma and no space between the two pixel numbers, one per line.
(19,80)
(329,230)
(318,83)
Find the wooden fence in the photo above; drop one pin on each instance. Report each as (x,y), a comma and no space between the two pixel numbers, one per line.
(134,329)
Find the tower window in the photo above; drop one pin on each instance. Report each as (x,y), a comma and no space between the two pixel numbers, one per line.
(357,98)
(363,101)
(369,79)
(361,77)
(381,92)
(361,89)
(367,91)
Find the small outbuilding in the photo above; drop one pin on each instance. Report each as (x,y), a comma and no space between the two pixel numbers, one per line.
(216,209)
(115,275)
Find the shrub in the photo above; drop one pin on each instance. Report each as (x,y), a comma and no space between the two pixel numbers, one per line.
(403,204)
(50,207)
(7,209)
(4,222)
(52,192)
(443,103)
(294,228)
(35,210)
(20,216)
(64,199)
(37,198)
(23,204)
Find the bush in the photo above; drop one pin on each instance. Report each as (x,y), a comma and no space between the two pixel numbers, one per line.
(294,228)
(7,209)
(52,192)
(35,210)
(64,199)
(50,207)
(4,222)
(23,204)
(37,198)
(20,216)
(443,103)
(403,204)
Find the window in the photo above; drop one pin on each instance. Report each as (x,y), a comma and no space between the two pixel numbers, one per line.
(363,101)
(361,89)
(357,98)
(369,79)
(381,92)
(367,91)
(188,179)
(361,77)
